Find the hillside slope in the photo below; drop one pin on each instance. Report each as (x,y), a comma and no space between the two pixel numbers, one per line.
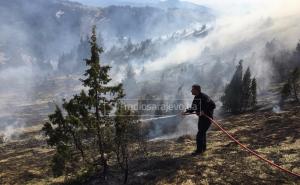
(40,31)
(274,135)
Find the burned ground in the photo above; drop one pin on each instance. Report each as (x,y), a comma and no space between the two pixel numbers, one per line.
(273,135)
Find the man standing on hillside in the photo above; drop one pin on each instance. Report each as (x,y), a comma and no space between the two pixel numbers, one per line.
(202,104)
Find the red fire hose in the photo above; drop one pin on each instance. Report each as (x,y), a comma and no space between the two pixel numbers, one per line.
(249,150)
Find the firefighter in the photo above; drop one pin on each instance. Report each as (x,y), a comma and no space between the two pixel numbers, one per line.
(202,105)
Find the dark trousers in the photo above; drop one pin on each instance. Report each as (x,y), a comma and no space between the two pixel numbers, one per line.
(203,125)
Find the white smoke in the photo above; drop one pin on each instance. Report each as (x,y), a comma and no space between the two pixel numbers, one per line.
(59,14)
(15,92)
(240,34)
(12,129)
(241,31)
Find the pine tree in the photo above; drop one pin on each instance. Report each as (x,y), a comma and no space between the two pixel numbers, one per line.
(246,89)
(60,134)
(87,126)
(290,88)
(240,93)
(128,131)
(294,81)
(82,52)
(97,80)
(232,96)
(253,90)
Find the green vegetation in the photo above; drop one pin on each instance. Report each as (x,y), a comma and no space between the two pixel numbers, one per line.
(85,133)
(240,93)
(291,87)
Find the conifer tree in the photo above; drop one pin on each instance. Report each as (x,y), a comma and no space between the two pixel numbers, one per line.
(233,95)
(246,89)
(128,132)
(294,82)
(253,100)
(86,127)
(240,93)
(290,88)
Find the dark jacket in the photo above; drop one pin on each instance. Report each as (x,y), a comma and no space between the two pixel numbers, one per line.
(202,102)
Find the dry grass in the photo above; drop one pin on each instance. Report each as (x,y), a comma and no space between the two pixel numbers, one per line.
(275,136)
(26,161)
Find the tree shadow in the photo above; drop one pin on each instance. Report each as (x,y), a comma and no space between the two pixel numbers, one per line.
(166,168)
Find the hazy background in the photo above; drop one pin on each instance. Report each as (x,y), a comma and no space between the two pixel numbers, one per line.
(159,48)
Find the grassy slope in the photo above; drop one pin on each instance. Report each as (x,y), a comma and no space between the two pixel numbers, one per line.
(275,136)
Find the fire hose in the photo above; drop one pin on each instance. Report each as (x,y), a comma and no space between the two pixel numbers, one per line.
(249,150)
